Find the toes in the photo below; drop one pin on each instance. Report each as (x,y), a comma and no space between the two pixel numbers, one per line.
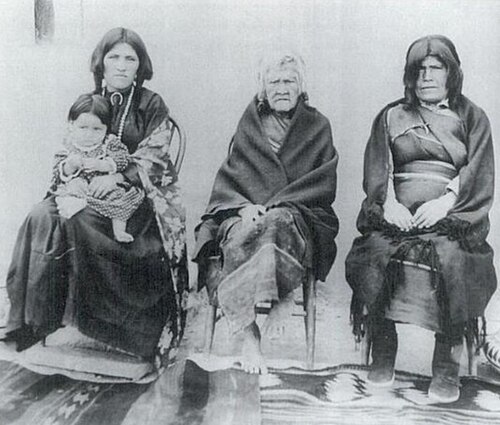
(252,367)
(124,238)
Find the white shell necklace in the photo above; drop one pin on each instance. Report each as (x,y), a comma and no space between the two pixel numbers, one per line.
(117,97)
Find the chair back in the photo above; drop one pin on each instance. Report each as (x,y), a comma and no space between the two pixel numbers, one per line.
(178,138)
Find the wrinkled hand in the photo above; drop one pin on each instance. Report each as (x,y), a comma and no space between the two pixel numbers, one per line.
(94,164)
(72,164)
(397,214)
(251,213)
(434,210)
(101,186)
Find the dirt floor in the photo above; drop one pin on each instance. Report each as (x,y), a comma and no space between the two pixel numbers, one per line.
(334,340)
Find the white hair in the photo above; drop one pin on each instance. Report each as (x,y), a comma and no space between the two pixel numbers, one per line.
(282,59)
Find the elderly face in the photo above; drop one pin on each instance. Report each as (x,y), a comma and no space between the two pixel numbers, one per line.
(120,67)
(282,88)
(431,81)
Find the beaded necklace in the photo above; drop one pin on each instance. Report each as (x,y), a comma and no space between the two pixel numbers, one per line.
(125,112)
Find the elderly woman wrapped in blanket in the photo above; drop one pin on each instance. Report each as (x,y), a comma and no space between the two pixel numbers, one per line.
(423,256)
(269,214)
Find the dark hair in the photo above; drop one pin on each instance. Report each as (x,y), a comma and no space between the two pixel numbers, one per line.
(92,104)
(110,40)
(444,50)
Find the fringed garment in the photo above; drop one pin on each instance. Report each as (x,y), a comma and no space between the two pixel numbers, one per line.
(439,278)
(288,165)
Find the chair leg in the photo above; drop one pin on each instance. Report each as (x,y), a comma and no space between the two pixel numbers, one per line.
(310,320)
(210,328)
(366,339)
(366,346)
(471,355)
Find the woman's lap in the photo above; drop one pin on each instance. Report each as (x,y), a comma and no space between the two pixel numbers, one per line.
(119,293)
(467,292)
(123,292)
(263,261)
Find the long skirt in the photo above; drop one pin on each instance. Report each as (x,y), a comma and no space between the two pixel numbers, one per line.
(466,279)
(261,262)
(72,271)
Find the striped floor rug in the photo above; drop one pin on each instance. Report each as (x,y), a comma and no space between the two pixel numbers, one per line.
(184,394)
(187,394)
(341,396)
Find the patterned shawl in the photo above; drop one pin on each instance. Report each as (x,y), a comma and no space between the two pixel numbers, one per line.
(159,180)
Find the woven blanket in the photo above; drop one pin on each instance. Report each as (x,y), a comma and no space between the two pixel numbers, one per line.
(184,394)
(187,394)
(340,395)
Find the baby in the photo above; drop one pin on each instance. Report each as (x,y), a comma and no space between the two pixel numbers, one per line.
(89,151)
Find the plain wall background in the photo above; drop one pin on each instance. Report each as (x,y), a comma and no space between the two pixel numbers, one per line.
(205,55)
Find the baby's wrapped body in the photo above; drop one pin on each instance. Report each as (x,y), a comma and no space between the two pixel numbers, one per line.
(73,194)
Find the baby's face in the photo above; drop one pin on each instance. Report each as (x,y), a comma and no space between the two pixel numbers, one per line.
(87,130)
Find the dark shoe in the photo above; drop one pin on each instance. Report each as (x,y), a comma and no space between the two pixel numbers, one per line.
(384,349)
(6,337)
(25,338)
(444,390)
(445,384)
(381,376)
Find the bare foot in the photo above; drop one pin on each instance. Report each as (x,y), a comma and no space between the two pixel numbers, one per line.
(274,326)
(252,360)
(119,230)
(123,237)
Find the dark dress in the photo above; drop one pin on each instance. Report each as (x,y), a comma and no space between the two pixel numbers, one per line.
(73,271)
(450,264)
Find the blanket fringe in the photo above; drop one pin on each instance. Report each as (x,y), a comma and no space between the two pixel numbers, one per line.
(423,252)
(456,230)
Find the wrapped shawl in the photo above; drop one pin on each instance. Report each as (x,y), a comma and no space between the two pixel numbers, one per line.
(302,174)
(158,179)
(468,220)
(472,282)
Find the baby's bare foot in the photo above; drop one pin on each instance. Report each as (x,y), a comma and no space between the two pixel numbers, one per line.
(124,237)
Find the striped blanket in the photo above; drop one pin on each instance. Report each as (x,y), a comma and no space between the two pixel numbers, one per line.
(340,396)
(186,394)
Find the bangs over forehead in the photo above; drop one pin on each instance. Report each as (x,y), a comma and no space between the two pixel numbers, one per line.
(444,50)
(437,45)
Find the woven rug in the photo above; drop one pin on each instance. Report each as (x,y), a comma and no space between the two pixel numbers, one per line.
(340,395)
(184,394)
(187,394)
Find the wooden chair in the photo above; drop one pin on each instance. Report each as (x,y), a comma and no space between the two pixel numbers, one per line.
(308,304)
(178,137)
